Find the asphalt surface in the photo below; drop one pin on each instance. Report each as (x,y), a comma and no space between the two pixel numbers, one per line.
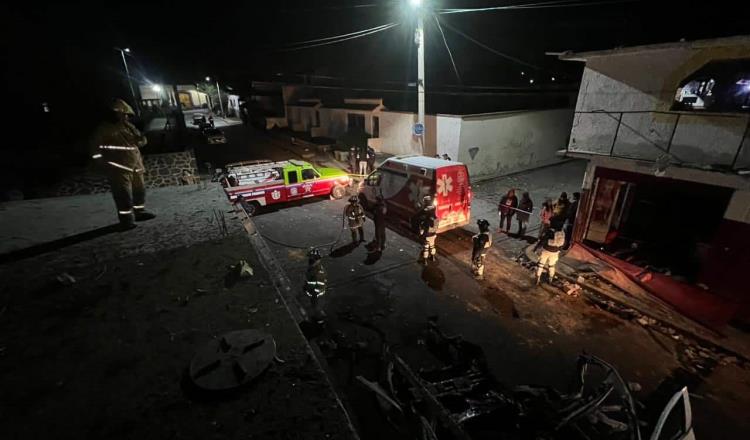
(529,334)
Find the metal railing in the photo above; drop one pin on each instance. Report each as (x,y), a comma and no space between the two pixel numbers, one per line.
(665,149)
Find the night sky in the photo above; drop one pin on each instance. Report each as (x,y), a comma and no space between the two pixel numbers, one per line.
(63,53)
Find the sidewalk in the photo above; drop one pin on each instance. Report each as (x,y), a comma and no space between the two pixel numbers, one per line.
(96,331)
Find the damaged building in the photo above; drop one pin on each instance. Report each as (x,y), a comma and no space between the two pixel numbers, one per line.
(666,194)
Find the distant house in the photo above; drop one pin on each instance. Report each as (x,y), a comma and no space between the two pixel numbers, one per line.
(666,131)
(157,95)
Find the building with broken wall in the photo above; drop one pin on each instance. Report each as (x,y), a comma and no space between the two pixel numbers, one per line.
(666,195)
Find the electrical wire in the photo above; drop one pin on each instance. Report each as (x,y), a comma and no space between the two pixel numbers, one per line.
(496,52)
(450,55)
(316,40)
(541,5)
(340,40)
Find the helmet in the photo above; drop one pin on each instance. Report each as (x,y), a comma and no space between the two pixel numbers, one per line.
(483,224)
(353,199)
(121,106)
(313,254)
(427,202)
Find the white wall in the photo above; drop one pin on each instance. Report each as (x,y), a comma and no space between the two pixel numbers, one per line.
(396,134)
(505,142)
(647,81)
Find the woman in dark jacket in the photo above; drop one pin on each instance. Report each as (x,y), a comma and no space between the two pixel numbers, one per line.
(506,208)
(525,206)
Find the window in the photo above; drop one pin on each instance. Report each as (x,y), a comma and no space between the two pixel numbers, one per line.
(317,118)
(718,86)
(355,122)
(375,126)
(291,176)
(309,174)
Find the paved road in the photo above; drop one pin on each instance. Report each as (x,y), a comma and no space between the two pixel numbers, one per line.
(529,334)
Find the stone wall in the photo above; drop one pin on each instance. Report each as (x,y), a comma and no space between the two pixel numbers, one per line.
(167,169)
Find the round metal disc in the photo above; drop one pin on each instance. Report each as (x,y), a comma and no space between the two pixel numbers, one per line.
(232,360)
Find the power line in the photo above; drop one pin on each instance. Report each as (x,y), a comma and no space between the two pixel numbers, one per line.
(299,43)
(498,53)
(450,55)
(541,5)
(339,40)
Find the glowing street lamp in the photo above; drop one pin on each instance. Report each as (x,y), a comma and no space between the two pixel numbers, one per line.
(130,82)
(156,88)
(218,91)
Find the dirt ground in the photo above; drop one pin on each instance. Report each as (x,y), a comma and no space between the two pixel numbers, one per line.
(105,357)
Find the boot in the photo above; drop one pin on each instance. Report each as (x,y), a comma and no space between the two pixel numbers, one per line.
(142,215)
(127,222)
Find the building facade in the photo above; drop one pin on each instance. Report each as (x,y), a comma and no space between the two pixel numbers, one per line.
(665,130)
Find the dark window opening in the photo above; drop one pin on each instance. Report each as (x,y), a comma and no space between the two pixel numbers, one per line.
(718,86)
(355,122)
(291,176)
(308,174)
(375,126)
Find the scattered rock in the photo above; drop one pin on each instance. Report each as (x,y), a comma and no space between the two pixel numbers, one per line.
(66,279)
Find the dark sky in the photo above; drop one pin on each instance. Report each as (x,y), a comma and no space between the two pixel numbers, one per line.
(63,53)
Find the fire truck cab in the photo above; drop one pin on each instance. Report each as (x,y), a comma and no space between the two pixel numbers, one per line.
(404,181)
(266,183)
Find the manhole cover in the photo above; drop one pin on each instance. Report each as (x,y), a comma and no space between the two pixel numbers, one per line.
(232,360)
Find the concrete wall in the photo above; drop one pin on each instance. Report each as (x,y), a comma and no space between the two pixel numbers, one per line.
(335,122)
(396,134)
(646,81)
(301,118)
(500,143)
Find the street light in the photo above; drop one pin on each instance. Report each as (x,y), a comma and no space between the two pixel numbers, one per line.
(419,40)
(218,92)
(130,82)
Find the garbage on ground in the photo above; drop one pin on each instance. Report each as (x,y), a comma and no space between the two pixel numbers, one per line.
(66,279)
(237,272)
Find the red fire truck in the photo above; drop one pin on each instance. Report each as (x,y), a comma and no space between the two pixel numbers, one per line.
(403,181)
(266,183)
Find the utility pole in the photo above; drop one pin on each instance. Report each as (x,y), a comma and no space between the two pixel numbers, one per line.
(419,40)
(130,83)
(218,91)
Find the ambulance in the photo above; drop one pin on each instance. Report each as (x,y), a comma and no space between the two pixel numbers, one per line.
(404,181)
(265,183)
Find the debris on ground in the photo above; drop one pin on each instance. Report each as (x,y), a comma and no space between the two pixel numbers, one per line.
(238,272)
(66,279)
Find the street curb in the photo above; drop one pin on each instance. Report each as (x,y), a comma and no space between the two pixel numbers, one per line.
(283,287)
(680,329)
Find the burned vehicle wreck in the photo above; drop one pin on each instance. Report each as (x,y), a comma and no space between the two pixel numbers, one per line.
(461,400)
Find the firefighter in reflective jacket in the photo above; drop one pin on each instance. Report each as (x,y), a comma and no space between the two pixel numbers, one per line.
(481,242)
(315,278)
(427,230)
(116,145)
(356,217)
(551,245)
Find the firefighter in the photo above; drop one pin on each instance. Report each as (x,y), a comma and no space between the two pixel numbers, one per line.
(380,210)
(315,278)
(116,147)
(427,230)
(356,217)
(552,243)
(481,242)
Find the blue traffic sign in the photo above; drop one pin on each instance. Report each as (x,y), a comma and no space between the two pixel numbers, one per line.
(418,129)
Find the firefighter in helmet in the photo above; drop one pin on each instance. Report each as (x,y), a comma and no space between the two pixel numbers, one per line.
(116,146)
(552,243)
(426,223)
(481,242)
(315,277)
(356,217)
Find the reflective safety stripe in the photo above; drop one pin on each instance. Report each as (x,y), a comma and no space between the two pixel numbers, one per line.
(125,212)
(97,156)
(117,165)
(139,207)
(116,147)
(317,282)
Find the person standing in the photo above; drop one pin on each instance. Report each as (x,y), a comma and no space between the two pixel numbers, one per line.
(553,243)
(356,217)
(525,206)
(545,219)
(362,159)
(370,159)
(427,230)
(560,210)
(570,221)
(380,211)
(446,157)
(506,208)
(353,161)
(316,279)
(480,243)
(116,146)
